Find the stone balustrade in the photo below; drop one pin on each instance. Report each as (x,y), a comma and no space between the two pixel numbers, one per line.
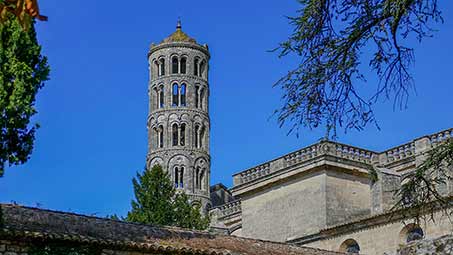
(353,153)
(255,172)
(304,155)
(301,155)
(441,136)
(230,208)
(399,154)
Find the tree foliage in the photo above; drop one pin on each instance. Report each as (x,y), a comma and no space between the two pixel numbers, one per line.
(157,202)
(425,190)
(329,39)
(22,72)
(24,10)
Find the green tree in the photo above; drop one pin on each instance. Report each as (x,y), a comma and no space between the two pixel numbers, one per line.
(157,202)
(153,198)
(22,72)
(330,38)
(186,215)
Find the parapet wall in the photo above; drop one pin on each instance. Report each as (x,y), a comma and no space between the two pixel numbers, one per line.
(399,158)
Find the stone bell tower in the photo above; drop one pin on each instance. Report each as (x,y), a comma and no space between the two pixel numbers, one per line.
(178,121)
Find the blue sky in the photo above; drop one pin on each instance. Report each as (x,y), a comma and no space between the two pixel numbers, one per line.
(93,111)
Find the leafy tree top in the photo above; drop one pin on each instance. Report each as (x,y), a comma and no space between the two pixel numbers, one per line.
(24,10)
(157,202)
(22,72)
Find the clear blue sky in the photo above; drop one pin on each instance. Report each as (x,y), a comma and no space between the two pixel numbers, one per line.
(93,111)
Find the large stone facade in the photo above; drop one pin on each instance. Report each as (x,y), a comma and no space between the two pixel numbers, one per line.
(331,196)
(178,123)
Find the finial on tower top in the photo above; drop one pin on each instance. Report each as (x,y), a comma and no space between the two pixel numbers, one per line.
(178,25)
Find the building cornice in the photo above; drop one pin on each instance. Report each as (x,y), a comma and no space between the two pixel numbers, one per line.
(158,47)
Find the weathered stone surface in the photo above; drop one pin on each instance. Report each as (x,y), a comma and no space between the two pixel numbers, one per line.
(438,246)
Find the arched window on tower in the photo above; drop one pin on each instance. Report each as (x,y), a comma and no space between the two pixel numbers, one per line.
(175,135)
(161,97)
(161,136)
(203,69)
(201,182)
(161,67)
(183,65)
(156,103)
(182,137)
(201,98)
(197,96)
(196,67)
(176,171)
(197,180)
(202,133)
(183,94)
(197,136)
(181,177)
(156,71)
(175,95)
(174,65)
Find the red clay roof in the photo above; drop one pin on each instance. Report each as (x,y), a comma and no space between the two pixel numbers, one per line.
(40,225)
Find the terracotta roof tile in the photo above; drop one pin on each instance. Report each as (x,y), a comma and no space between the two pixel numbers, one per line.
(38,224)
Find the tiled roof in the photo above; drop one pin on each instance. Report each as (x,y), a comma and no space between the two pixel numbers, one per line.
(37,224)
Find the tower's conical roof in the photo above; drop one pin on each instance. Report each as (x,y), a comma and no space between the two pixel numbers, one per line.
(179,36)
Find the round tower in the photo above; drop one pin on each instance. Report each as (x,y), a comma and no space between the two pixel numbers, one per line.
(178,121)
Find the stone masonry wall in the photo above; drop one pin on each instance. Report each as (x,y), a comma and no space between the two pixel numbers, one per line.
(293,208)
(385,239)
(439,246)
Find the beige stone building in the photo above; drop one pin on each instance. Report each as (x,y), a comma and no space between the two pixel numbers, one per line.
(322,196)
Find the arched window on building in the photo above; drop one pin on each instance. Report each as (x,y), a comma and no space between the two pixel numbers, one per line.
(202,133)
(161,97)
(161,136)
(176,172)
(181,177)
(161,67)
(155,138)
(182,136)
(411,232)
(350,246)
(196,67)
(203,69)
(197,136)
(174,134)
(156,103)
(183,65)
(197,180)
(174,65)
(183,94)
(197,95)
(175,95)
(201,181)
(415,234)
(156,71)
(201,98)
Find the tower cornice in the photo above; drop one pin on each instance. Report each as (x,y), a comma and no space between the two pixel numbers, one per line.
(202,48)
